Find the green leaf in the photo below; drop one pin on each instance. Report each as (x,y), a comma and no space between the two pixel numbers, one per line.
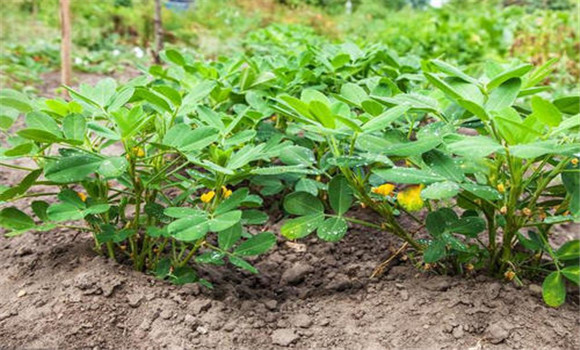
(38,135)
(156,100)
(443,86)
(386,119)
(225,220)
(297,155)
(468,225)
(568,104)
(569,250)
(175,57)
(443,165)
(408,176)
(16,100)
(247,154)
(74,127)
(302,203)
(14,219)
(27,182)
(572,273)
(340,195)
(230,236)
(72,169)
(440,190)
(504,96)
(182,212)
(233,201)
(258,244)
(254,217)
(452,71)
(332,229)
(302,226)
(185,139)
(474,147)
(42,121)
(20,150)
(434,252)
(112,167)
(120,98)
(40,209)
(482,191)
(413,148)
(353,93)
(540,148)
(64,212)
(308,186)
(554,289)
(322,113)
(506,75)
(211,257)
(439,221)
(189,229)
(546,112)
(243,264)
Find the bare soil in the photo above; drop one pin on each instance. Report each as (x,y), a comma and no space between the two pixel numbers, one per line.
(57,293)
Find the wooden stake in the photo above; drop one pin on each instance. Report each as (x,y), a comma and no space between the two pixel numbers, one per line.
(158,32)
(65,46)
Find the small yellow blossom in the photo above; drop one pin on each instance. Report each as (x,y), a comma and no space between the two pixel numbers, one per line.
(542,215)
(574,161)
(384,189)
(139,152)
(509,275)
(273,118)
(527,211)
(207,197)
(82,196)
(410,198)
(503,210)
(501,188)
(226,192)
(469,267)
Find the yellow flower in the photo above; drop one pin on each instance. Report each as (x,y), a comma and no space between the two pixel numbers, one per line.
(410,198)
(82,196)
(575,161)
(207,197)
(226,192)
(139,152)
(503,210)
(501,188)
(509,275)
(384,189)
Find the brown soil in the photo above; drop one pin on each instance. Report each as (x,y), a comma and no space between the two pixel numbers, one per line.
(57,293)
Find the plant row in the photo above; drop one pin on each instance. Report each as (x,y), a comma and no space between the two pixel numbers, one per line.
(171,169)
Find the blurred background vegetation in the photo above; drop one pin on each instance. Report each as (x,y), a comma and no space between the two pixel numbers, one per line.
(111,34)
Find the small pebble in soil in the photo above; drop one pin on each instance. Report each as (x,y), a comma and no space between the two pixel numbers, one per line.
(284,337)
(535,289)
(498,332)
(21,293)
(271,304)
(201,330)
(296,273)
(301,320)
(134,299)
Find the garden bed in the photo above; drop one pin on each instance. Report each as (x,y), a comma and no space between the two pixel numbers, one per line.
(59,294)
